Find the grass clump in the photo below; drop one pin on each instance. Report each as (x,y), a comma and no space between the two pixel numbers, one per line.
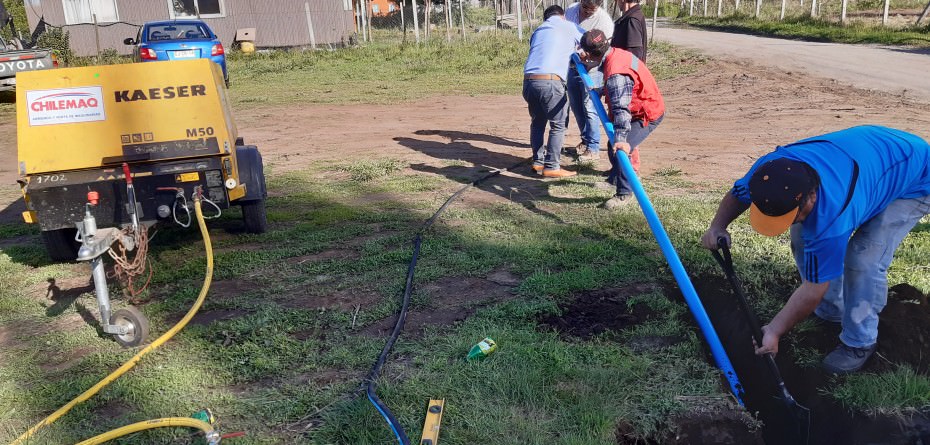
(888,393)
(367,170)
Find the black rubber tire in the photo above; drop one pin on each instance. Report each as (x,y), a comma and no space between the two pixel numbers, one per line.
(138,324)
(60,244)
(254,216)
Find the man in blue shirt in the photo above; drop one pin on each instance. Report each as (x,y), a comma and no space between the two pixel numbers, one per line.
(850,198)
(544,77)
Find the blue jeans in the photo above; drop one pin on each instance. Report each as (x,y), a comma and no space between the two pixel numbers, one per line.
(589,124)
(547,104)
(638,133)
(857,297)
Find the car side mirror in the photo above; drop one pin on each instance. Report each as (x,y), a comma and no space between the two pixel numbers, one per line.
(129,41)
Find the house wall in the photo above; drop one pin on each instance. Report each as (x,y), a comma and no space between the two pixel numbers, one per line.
(278,23)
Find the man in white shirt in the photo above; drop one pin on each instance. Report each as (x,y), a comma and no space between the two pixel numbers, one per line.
(589,15)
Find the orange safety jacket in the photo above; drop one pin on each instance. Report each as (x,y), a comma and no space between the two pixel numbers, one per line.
(647,104)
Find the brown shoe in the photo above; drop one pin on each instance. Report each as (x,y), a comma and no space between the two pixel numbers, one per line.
(558,173)
(538,168)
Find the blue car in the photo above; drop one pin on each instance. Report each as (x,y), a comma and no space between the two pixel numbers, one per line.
(178,40)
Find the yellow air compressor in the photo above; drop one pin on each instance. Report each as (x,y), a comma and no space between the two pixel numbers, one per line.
(107,151)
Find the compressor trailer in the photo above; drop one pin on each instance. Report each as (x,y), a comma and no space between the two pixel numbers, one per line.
(105,152)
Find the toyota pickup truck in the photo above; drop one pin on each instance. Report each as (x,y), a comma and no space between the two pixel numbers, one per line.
(15,59)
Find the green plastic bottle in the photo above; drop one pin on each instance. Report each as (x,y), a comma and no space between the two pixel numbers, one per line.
(483,349)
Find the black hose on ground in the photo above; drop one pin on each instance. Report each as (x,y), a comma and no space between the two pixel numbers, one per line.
(371,378)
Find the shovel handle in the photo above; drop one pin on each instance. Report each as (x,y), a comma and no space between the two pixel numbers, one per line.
(723,257)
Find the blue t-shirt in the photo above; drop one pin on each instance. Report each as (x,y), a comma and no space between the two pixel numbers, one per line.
(862,170)
(551,47)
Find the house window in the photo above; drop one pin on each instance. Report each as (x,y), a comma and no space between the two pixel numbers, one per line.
(83,11)
(179,9)
(390,7)
(375,9)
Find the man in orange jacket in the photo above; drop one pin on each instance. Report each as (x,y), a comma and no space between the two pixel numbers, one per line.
(634,103)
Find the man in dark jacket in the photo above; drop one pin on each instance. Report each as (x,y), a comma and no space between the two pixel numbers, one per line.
(630,30)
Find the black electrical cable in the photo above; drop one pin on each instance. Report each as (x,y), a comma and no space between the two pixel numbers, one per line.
(371,378)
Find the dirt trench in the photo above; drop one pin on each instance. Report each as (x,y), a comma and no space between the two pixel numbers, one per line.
(903,326)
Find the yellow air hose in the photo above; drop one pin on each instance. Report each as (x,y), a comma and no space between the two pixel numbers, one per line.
(212,436)
(159,423)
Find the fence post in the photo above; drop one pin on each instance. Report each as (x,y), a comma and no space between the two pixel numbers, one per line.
(462,17)
(447,14)
(403,23)
(655,17)
(368,18)
(310,25)
(520,21)
(885,13)
(97,35)
(758,7)
(416,21)
(923,15)
(705,8)
(784,4)
(843,12)
(719,8)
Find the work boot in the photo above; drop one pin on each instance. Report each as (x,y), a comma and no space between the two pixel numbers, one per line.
(588,156)
(618,202)
(558,173)
(538,168)
(847,359)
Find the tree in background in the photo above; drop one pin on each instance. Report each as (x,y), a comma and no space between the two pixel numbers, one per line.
(17,10)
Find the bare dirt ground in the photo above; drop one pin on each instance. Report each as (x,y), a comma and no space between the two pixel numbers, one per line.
(903,69)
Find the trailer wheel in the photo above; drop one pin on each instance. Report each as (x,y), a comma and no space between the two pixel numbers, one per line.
(136,324)
(254,216)
(60,244)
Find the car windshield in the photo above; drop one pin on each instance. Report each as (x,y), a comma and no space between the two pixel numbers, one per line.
(177,31)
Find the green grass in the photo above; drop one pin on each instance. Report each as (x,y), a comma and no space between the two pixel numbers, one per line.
(895,392)
(382,73)
(806,28)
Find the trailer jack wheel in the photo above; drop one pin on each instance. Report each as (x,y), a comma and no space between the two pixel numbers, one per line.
(137,326)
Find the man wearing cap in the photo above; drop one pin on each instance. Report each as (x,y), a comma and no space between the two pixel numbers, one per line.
(589,15)
(850,198)
(634,101)
(544,74)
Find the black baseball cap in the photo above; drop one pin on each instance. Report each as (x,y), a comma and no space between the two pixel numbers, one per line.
(777,189)
(595,42)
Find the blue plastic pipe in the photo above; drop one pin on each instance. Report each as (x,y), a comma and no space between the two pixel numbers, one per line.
(671,256)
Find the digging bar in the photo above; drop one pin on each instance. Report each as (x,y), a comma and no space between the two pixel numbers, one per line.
(799,414)
(671,256)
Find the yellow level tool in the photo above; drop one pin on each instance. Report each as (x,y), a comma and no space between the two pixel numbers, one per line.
(430,434)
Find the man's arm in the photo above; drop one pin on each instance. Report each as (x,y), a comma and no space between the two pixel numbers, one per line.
(730,208)
(801,304)
(619,91)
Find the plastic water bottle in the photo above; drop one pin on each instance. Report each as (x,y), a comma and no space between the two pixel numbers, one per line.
(483,349)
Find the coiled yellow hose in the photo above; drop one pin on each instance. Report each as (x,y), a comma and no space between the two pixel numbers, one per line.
(159,423)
